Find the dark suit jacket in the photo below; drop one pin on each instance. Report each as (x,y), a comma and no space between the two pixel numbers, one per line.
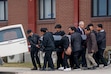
(33,40)
(94,33)
(101,40)
(76,41)
(48,42)
(83,41)
(91,43)
(79,31)
(64,43)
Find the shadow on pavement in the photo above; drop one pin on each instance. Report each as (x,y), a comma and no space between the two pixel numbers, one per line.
(8,73)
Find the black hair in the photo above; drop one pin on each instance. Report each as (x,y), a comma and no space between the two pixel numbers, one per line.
(73,28)
(87,28)
(90,25)
(43,29)
(58,26)
(29,31)
(100,25)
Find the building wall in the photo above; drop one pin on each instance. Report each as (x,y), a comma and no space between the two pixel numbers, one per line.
(64,16)
(85,15)
(17,12)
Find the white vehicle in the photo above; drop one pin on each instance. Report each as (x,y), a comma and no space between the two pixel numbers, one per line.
(12,40)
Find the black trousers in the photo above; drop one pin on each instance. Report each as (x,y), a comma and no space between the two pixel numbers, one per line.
(71,60)
(48,59)
(99,57)
(35,58)
(83,57)
(76,59)
(65,61)
(59,59)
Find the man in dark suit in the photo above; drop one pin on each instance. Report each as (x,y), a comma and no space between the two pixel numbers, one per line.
(80,30)
(33,40)
(48,43)
(101,41)
(76,45)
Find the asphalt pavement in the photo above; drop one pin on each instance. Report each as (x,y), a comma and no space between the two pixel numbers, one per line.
(15,70)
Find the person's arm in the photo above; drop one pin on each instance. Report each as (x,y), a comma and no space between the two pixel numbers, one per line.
(94,42)
(72,40)
(31,42)
(65,43)
(44,42)
(38,41)
(100,37)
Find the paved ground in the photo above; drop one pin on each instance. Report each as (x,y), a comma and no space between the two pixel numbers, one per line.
(12,70)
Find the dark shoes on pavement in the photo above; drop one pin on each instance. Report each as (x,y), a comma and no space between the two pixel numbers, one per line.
(92,68)
(34,68)
(44,69)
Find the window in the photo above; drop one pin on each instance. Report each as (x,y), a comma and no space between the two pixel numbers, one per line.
(47,9)
(101,8)
(10,34)
(3,10)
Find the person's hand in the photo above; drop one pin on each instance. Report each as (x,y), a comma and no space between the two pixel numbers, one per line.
(37,46)
(60,47)
(92,51)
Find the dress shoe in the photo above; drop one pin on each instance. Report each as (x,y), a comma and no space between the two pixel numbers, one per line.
(97,66)
(34,68)
(86,68)
(90,68)
(94,67)
(51,69)
(76,67)
(43,69)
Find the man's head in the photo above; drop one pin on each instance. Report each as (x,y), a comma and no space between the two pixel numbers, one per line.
(91,26)
(81,24)
(99,27)
(29,32)
(43,30)
(58,27)
(72,30)
(87,30)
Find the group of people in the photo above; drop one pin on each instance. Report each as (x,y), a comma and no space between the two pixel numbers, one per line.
(87,47)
